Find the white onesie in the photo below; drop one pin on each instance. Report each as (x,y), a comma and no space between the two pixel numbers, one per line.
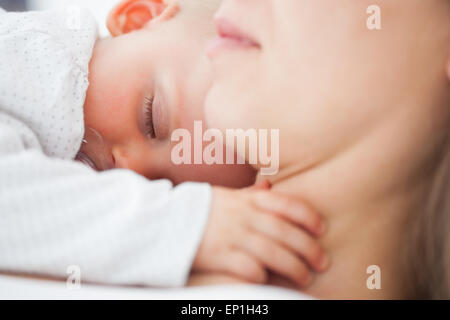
(115,226)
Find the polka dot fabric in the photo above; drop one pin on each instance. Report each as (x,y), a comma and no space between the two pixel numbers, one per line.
(44,61)
(115,225)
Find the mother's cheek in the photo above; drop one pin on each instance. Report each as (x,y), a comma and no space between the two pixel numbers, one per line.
(215,111)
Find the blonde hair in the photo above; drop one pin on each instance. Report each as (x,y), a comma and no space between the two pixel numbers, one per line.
(429,255)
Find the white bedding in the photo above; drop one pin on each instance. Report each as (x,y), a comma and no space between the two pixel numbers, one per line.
(21,288)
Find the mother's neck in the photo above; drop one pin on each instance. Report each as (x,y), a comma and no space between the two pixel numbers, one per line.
(368,194)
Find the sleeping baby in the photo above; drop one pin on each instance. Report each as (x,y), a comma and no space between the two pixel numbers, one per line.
(125,213)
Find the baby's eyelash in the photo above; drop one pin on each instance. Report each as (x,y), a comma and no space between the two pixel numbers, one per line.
(149,127)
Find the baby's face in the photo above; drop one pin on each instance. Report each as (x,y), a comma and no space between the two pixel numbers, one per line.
(145,84)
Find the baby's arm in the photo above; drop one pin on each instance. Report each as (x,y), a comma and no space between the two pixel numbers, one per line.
(117,226)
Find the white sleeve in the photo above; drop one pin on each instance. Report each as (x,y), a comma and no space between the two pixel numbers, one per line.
(44,64)
(116,226)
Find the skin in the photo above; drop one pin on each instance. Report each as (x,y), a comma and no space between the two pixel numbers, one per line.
(368,108)
(149,64)
(158,51)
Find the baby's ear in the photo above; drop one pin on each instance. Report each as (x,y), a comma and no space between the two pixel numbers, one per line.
(132,15)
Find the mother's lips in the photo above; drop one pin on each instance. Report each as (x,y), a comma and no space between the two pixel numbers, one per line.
(230,37)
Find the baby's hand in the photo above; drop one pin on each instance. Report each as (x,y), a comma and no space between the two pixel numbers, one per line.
(253,231)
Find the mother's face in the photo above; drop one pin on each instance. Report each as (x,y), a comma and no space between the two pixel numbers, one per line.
(313,69)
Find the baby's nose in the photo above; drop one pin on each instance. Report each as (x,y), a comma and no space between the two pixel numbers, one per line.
(121,159)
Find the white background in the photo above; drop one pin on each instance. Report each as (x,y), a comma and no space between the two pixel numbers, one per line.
(99,8)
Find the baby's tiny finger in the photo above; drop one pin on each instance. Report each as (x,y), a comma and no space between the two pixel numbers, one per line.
(277,259)
(261,185)
(293,238)
(294,210)
(243,265)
